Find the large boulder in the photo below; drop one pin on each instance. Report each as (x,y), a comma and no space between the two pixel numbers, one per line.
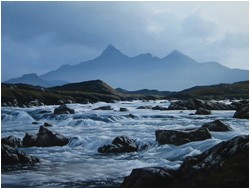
(214,157)
(63,109)
(12,141)
(203,111)
(120,144)
(149,177)
(217,125)
(10,155)
(104,108)
(179,137)
(224,165)
(242,111)
(45,138)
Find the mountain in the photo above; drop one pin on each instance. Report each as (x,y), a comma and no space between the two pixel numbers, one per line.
(35,80)
(174,72)
(31,79)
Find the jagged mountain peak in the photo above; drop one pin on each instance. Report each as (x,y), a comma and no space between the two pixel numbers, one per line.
(177,56)
(111,51)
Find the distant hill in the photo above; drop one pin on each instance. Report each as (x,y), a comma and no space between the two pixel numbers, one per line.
(95,86)
(174,72)
(94,91)
(236,90)
(35,80)
(145,92)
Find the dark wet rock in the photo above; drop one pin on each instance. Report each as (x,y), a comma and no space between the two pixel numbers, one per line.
(194,104)
(10,155)
(46,124)
(45,138)
(149,177)
(145,107)
(242,111)
(179,137)
(224,165)
(159,108)
(12,141)
(203,111)
(44,112)
(104,108)
(123,110)
(35,123)
(63,109)
(120,144)
(132,116)
(29,140)
(214,157)
(217,125)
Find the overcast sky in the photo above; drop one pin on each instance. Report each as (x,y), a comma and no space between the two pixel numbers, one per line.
(38,37)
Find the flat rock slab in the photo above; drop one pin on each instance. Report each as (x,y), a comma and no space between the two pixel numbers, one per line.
(179,137)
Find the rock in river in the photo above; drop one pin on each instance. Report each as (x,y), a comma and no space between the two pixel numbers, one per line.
(45,138)
(120,144)
(104,108)
(12,141)
(63,109)
(179,137)
(10,155)
(203,111)
(242,111)
(217,125)
(224,165)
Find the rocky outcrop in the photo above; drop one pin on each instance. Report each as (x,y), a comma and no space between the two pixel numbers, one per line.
(10,155)
(203,111)
(120,144)
(104,108)
(161,108)
(217,125)
(12,141)
(195,104)
(213,168)
(45,138)
(63,109)
(214,157)
(242,111)
(179,137)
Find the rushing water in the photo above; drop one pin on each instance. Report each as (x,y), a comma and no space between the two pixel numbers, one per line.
(78,164)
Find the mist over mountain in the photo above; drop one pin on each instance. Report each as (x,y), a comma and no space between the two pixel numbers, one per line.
(174,72)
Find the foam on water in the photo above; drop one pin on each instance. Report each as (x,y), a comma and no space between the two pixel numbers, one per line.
(78,164)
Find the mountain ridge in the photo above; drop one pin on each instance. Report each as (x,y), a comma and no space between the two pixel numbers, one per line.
(174,72)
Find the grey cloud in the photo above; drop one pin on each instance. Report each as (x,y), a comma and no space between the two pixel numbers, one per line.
(196,25)
(41,36)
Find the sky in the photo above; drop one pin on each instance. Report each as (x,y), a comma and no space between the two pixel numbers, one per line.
(38,37)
